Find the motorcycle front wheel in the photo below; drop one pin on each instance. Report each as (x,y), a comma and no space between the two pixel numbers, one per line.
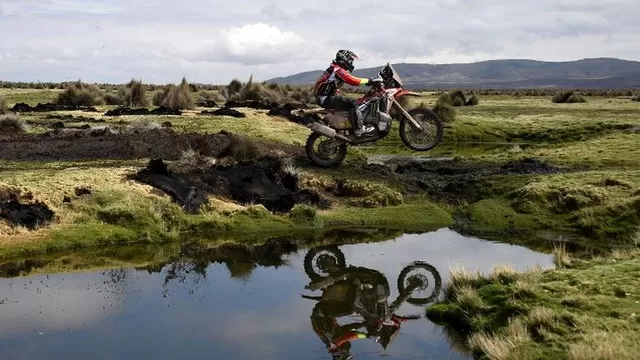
(329,153)
(423,139)
(425,281)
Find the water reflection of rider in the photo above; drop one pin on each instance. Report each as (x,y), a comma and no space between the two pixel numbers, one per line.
(341,299)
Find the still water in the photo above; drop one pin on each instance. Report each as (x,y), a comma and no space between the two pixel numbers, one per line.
(243,311)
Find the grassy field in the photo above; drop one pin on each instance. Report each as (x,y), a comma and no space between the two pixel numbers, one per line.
(595,142)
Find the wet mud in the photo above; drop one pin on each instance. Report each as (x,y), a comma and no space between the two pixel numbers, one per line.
(24,108)
(453,182)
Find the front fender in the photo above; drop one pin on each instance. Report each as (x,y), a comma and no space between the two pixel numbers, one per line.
(406,93)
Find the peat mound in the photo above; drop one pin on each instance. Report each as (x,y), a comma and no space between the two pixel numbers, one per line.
(207,103)
(301,117)
(224,111)
(22,107)
(30,215)
(263,181)
(181,190)
(143,111)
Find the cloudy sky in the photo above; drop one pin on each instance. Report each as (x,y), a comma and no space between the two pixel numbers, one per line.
(214,41)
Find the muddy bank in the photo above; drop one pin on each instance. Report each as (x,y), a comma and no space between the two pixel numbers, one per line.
(105,143)
(265,181)
(22,107)
(143,111)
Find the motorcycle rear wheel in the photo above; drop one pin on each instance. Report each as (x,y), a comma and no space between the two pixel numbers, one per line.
(427,119)
(323,157)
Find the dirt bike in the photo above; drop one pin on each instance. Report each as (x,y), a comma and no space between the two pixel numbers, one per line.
(379,106)
(354,289)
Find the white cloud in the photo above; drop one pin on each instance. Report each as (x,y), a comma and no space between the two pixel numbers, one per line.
(209,41)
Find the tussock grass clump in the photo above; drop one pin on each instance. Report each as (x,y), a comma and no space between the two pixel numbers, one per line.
(444,109)
(458,98)
(266,92)
(473,100)
(240,149)
(568,97)
(561,257)
(635,98)
(175,97)
(468,299)
(81,94)
(12,124)
(4,106)
(501,346)
(133,94)
(503,273)
(302,213)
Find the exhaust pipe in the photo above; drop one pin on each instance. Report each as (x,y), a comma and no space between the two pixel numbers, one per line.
(327,131)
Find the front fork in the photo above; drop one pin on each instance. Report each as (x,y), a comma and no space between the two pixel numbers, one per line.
(404,112)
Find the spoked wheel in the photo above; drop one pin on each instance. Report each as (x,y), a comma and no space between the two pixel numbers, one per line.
(325,152)
(421,139)
(423,280)
(320,262)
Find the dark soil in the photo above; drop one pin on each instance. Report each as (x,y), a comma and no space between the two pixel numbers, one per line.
(225,111)
(262,181)
(94,144)
(22,107)
(300,117)
(181,190)
(31,215)
(143,111)
(207,103)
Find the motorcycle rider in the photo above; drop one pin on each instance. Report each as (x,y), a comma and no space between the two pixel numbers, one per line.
(327,88)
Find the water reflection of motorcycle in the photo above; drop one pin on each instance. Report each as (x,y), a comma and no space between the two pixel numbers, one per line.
(348,290)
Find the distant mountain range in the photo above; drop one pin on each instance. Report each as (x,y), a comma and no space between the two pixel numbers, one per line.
(596,73)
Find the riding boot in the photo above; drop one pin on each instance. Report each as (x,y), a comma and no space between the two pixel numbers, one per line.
(359,127)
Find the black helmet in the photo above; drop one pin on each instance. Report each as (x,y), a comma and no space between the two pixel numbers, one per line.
(345,59)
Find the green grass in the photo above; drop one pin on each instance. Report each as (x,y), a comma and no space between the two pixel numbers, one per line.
(587,311)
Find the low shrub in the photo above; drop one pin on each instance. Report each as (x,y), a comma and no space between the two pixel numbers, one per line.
(568,97)
(4,106)
(12,124)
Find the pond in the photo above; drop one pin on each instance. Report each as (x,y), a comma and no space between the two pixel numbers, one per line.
(347,295)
